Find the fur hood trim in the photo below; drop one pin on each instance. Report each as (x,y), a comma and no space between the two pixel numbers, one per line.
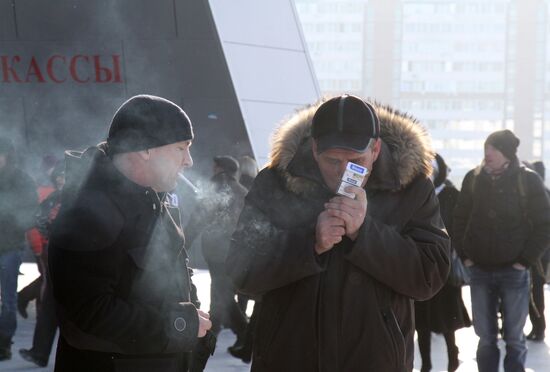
(406,151)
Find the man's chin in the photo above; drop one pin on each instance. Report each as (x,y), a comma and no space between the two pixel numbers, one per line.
(166,187)
(172,186)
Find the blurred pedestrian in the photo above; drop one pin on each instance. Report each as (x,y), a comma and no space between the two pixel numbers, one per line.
(337,274)
(538,278)
(46,320)
(445,312)
(248,169)
(44,177)
(501,229)
(242,348)
(215,222)
(18,203)
(36,239)
(123,292)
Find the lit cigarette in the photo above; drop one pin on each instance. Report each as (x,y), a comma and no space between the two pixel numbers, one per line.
(188,183)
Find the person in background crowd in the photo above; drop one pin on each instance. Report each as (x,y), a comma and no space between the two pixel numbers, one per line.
(18,203)
(43,180)
(242,349)
(248,169)
(501,229)
(46,321)
(337,274)
(538,277)
(445,312)
(219,212)
(38,240)
(118,266)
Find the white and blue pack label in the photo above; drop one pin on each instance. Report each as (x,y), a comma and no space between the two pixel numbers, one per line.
(357,168)
(354,176)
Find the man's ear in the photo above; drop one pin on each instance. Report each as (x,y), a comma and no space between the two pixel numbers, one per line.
(314,149)
(144,154)
(376,149)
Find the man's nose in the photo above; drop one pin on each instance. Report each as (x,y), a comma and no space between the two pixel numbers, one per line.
(187,161)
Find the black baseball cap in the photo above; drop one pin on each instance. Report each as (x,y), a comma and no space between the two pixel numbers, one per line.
(345,122)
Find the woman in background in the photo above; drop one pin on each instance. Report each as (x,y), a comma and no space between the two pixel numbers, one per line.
(445,312)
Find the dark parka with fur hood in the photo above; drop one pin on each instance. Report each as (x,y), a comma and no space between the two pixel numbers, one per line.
(349,309)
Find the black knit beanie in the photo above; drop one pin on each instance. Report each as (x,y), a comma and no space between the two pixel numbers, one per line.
(144,122)
(504,141)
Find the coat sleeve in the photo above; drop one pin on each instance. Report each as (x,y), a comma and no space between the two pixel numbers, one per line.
(414,261)
(35,240)
(538,214)
(85,272)
(461,214)
(264,257)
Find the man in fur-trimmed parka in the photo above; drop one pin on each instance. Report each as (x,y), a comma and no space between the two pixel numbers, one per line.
(338,275)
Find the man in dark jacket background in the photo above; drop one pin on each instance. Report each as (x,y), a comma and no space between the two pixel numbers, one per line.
(538,277)
(118,266)
(501,228)
(18,203)
(337,275)
(215,221)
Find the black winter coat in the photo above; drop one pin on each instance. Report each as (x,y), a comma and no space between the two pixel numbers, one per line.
(18,203)
(120,278)
(445,312)
(492,228)
(351,308)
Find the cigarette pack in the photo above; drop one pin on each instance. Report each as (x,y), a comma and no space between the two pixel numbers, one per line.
(354,176)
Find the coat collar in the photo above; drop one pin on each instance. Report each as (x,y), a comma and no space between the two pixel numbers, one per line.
(97,169)
(511,170)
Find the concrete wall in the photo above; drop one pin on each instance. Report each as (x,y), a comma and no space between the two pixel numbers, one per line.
(268,61)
